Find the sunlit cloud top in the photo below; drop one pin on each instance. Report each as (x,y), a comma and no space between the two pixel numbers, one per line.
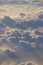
(14,8)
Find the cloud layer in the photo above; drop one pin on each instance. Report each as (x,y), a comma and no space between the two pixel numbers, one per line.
(21,32)
(19,1)
(14,10)
(21,43)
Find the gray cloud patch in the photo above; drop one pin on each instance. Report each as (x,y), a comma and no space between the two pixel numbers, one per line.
(19,1)
(2,10)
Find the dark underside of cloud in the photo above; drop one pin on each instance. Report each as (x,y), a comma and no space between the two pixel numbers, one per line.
(25,38)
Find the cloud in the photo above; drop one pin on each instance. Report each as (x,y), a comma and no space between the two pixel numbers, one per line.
(29,64)
(3,2)
(14,11)
(37,0)
(8,63)
(33,34)
(13,2)
(26,43)
(22,15)
(2,10)
(40,16)
(4,47)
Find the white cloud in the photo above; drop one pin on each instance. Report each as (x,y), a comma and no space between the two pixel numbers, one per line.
(9,63)
(14,10)
(26,62)
(5,47)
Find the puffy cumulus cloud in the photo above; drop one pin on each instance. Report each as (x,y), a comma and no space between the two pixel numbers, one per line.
(8,63)
(22,63)
(5,47)
(8,33)
(14,10)
(33,34)
(40,29)
(33,44)
(31,62)
(23,42)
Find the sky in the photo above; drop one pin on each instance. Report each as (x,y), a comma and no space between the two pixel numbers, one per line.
(13,8)
(21,41)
